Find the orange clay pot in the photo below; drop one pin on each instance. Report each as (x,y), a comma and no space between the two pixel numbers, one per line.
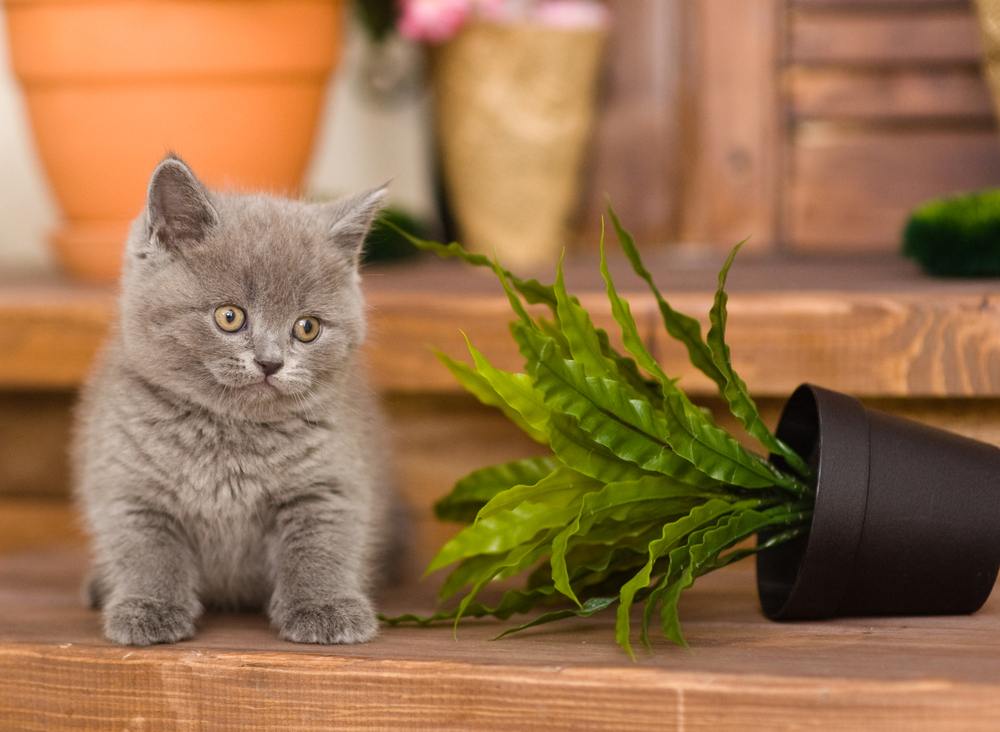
(233,86)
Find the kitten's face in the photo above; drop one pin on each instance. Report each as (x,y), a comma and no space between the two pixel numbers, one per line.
(247,305)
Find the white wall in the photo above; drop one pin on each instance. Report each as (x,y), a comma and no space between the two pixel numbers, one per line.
(359,145)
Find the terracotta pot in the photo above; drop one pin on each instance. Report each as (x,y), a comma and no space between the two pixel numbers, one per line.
(236,88)
(514,107)
(905,521)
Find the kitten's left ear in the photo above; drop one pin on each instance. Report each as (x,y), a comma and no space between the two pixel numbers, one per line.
(351,218)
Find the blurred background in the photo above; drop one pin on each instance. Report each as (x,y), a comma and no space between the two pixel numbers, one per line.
(834,133)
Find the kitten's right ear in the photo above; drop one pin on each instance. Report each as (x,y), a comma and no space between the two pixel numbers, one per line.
(177,207)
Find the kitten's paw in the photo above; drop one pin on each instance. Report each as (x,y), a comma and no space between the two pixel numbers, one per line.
(342,620)
(143,622)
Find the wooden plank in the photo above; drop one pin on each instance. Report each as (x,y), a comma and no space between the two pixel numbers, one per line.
(50,332)
(34,433)
(880,4)
(732,127)
(827,319)
(741,671)
(420,424)
(852,189)
(34,523)
(930,35)
(888,95)
(636,144)
(862,344)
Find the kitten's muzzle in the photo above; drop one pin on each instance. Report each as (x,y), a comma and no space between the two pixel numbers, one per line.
(269,367)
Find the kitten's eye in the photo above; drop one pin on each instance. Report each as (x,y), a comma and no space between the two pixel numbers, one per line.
(306,329)
(230,318)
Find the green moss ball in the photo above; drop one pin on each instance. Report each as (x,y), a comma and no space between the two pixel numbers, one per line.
(957,236)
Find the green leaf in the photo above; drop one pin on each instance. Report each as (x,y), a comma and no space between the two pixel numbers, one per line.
(574,447)
(681,327)
(516,391)
(480,387)
(688,430)
(579,331)
(591,607)
(672,533)
(563,483)
(473,491)
(505,530)
(699,555)
(616,501)
(613,416)
(734,389)
(715,451)
(516,561)
(622,313)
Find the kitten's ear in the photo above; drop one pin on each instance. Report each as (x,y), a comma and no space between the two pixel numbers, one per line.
(177,205)
(351,218)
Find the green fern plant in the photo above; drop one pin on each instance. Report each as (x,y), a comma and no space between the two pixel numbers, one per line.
(642,492)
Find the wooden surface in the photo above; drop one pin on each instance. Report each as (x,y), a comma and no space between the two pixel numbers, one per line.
(741,672)
(436,439)
(839,33)
(880,176)
(731,134)
(873,327)
(887,108)
(811,125)
(889,95)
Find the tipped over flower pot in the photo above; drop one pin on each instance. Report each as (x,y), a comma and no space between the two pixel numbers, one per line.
(905,522)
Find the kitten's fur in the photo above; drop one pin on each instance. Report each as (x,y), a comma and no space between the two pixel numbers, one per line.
(202,484)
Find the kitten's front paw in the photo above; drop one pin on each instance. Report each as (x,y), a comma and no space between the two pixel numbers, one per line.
(143,622)
(341,620)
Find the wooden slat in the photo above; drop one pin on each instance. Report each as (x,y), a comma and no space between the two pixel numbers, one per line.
(49,333)
(931,35)
(880,4)
(888,95)
(34,523)
(34,433)
(742,672)
(421,426)
(853,189)
(636,143)
(831,320)
(731,131)
(841,322)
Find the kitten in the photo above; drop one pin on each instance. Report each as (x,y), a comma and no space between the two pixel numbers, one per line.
(228,448)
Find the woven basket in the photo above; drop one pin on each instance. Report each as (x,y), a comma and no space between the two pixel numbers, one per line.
(989,25)
(514,107)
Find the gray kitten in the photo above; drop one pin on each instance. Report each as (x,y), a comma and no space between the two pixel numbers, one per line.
(228,449)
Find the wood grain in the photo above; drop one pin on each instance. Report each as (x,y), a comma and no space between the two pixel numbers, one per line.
(742,671)
(636,145)
(870,326)
(34,434)
(435,439)
(867,36)
(893,95)
(731,136)
(852,189)
(33,523)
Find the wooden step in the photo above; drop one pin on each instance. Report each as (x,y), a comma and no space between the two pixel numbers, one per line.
(870,326)
(741,671)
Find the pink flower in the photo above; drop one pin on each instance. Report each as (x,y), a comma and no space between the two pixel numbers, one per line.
(433,20)
(571,14)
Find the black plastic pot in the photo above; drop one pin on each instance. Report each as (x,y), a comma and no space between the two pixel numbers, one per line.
(907,517)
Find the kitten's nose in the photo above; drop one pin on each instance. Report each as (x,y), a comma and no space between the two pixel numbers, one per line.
(269,367)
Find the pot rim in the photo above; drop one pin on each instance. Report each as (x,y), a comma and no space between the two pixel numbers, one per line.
(834,430)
